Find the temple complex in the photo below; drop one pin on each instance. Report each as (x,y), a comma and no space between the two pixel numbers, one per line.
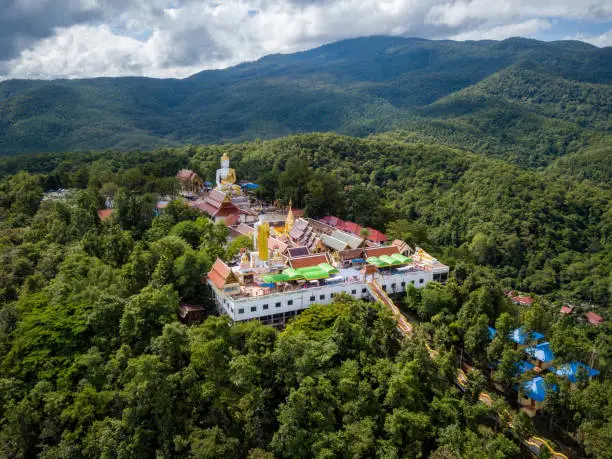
(297,262)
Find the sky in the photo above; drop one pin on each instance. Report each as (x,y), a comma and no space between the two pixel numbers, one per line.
(176,38)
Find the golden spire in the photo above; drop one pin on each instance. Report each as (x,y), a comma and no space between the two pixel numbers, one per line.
(224,157)
(290,219)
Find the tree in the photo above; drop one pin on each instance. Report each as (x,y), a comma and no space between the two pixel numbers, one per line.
(146,314)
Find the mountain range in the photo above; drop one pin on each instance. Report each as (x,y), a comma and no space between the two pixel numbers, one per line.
(526,101)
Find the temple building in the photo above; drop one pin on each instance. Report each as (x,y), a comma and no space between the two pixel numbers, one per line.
(191,183)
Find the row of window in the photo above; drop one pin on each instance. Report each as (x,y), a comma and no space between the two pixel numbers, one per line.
(321,297)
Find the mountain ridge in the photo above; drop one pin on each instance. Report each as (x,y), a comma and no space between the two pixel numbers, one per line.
(356,86)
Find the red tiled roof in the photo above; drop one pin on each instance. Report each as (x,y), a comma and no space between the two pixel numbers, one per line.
(351,227)
(307,261)
(566,310)
(376,236)
(593,318)
(332,221)
(380,251)
(524,300)
(350,254)
(105,214)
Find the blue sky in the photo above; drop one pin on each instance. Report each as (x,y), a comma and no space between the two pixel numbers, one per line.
(176,38)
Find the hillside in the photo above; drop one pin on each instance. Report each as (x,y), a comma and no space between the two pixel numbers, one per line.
(522,100)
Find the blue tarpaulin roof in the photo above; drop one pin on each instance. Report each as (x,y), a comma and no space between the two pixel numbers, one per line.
(570,370)
(541,352)
(250,186)
(520,337)
(492,332)
(523,366)
(536,389)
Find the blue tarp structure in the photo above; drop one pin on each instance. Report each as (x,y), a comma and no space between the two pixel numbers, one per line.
(268,285)
(536,389)
(523,366)
(250,186)
(541,352)
(492,333)
(520,337)
(208,183)
(572,369)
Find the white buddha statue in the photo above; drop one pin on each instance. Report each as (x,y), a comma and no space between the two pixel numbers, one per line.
(226,176)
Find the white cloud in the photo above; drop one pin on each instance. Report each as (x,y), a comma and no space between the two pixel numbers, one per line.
(522,29)
(605,39)
(178,37)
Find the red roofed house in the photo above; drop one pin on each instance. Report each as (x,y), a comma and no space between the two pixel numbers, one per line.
(523,300)
(567,310)
(594,319)
(223,278)
(376,236)
(351,227)
(105,214)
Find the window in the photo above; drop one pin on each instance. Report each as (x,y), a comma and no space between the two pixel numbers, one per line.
(265,306)
(412,282)
(312,298)
(241,311)
(393,286)
(403,284)
(363,290)
(354,292)
(421,281)
(289,302)
(322,297)
(253,308)
(278,304)
(384,287)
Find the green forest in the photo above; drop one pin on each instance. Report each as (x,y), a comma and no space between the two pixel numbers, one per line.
(95,363)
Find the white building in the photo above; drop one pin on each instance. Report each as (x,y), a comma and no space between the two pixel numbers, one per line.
(245,293)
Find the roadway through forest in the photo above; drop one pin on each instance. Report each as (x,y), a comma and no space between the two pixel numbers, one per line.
(534,444)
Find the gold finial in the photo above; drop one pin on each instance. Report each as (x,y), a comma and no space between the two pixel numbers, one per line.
(224,157)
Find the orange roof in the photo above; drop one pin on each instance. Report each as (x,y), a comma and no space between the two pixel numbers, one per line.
(220,274)
(566,309)
(380,251)
(309,260)
(105,214)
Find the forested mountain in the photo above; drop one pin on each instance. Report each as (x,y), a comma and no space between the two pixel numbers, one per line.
(95,364)
(519,99)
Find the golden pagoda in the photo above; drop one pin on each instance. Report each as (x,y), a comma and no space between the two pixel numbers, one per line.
(290,219)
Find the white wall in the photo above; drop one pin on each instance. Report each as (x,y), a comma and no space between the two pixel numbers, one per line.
(301,298)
